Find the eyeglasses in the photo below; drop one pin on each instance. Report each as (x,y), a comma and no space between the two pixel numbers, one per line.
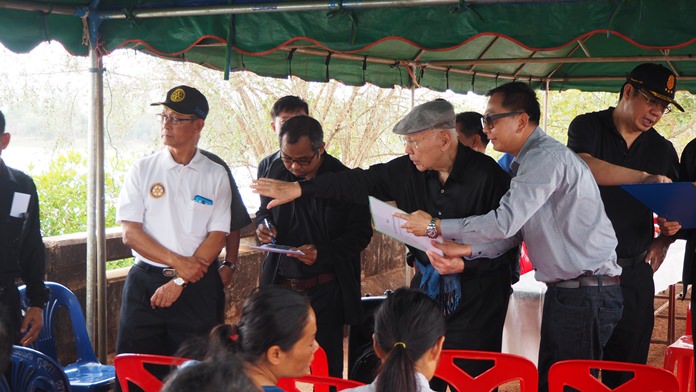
(300,161)
(656,103)
(413,143)
(488,121)
(174,120)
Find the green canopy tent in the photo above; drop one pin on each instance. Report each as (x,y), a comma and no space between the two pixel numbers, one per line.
(438,44)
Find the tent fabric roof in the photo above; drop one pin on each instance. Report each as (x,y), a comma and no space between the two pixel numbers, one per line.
(467,45)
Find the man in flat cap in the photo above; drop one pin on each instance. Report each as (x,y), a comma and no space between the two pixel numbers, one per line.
(553,205)
(621,146)
(174,209)
(446,179)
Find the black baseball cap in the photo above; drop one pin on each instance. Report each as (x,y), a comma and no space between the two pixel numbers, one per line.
(657,80)
(186,100)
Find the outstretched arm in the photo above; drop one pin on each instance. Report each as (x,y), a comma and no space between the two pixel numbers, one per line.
(281,192)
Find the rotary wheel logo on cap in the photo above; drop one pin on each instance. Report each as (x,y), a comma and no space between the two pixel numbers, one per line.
(177,95)
(670,82)
(157,190)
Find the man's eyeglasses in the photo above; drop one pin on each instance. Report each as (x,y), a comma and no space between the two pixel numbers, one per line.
(656,103)
(300,161)
(488,121)
(173,119)
(413,143)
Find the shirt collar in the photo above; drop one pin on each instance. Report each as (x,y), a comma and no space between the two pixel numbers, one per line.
(536,134)
(168,161)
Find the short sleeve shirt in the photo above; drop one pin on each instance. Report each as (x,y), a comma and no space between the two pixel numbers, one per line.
(596,134)
(178,205)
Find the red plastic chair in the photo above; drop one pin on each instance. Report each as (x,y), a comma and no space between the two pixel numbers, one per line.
(131,367)
(318,367)
(576,373)
(681,354)
(506,368)
(320,383)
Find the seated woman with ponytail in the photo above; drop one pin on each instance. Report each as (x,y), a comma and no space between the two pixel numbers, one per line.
(274,337)
(409,332)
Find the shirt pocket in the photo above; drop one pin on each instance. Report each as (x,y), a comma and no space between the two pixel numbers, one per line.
(197,217)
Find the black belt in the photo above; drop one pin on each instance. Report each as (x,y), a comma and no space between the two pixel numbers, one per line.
(624,262)
(166,271)
(587,281)
(305,284)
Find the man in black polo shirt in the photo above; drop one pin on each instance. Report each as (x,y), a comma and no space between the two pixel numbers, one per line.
(21,251)
(621,146)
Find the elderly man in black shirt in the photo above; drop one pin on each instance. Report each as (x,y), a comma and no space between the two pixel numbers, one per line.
(448,180)
(621,146)
(21,249)
(330,233)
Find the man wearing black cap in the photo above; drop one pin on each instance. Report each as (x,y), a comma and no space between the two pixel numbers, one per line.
(21,251)
(174,209)
(449,180)
(621,146)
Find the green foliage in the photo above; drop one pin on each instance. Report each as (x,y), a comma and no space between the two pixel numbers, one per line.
(62,192)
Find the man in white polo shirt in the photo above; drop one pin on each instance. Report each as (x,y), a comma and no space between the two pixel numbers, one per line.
(174,209)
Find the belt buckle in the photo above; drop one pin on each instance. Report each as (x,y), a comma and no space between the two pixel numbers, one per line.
(169,272)
(295,285)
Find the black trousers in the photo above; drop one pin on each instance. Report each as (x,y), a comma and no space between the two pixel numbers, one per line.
(11,311)
(161,331)
(478,322)
(630,341)
(328,307)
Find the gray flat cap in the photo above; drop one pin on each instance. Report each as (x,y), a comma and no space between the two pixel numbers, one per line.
(433,114)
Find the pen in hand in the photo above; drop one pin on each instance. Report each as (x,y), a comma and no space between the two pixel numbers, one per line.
(269,226)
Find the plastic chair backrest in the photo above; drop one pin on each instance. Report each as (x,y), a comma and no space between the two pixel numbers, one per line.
(679,359)
(318,367)
(31,370)
(506,368)
(577,374)
(320,383)
(61,296)
(131,367)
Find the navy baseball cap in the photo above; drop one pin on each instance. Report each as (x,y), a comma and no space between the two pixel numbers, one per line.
(186,100)
(659,81)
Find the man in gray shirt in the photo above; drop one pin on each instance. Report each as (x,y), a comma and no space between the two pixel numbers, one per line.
(554,205)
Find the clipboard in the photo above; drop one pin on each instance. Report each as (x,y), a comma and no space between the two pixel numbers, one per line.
(674,201)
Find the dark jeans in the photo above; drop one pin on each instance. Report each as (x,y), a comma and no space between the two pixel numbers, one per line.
(11,311)
(576,324)
(630,341)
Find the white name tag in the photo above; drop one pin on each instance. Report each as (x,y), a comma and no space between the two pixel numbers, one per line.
(20,204)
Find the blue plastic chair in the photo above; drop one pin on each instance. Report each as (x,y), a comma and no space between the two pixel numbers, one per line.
(32,371)
(86,374)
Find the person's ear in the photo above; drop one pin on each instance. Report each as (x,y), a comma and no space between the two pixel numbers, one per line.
(274,355)
(273,127)
(522,122)
(378,350)
(4,140)
(436,349)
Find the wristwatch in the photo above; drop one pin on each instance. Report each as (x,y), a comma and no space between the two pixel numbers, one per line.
(431,229)
(179,281)
(229,264)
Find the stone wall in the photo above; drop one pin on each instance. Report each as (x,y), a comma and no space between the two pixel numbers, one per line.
(65,264)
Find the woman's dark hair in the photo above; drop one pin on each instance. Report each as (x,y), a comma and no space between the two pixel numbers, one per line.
(272,316)
(298,126)
(518,96)
(224,374)
(407,324)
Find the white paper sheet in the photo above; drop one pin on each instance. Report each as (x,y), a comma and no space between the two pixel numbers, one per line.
(20,204)
(275,248)
(387,223)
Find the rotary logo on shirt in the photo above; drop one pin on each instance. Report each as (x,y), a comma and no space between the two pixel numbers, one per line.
(157,190)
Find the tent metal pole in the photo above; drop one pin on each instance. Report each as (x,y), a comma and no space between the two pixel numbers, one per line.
(546,104)
(96,236)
